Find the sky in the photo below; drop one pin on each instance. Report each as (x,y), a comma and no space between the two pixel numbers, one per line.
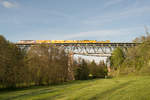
(114,20)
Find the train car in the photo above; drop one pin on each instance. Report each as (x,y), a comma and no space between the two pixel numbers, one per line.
(70,41)
(107,41)
(86,41)
(58,41)
(61,41)
(43,41)
(93,41)
(26,41)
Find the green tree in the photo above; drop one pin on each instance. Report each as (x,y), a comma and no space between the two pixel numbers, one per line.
(82,71)
(48,64)
(117,58)
(97,70)
(3,59)
(12,66)
(93,69)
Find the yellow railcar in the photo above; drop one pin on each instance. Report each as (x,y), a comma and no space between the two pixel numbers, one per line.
(43,41)
(62,41)
(107,41)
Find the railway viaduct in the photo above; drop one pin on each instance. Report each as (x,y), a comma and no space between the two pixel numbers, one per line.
(88,49)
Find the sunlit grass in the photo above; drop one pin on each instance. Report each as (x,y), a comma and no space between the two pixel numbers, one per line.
(126,88)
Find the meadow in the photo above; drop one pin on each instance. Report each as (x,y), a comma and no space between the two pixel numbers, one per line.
(121,88)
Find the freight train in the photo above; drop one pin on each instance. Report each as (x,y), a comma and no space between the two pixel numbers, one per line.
(60,41)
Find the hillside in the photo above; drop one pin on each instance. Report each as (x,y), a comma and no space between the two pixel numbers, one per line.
(133,88)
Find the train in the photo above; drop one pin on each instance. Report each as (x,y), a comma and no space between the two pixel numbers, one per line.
(60,41)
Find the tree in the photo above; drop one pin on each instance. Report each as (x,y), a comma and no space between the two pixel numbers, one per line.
(93,69)
(48,64)
(82,71)
(117,58)
(12,66)
(3,59)
(97,70)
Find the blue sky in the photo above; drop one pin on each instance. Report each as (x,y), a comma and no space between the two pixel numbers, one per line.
(114,20)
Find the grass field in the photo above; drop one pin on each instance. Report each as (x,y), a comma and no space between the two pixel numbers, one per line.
(126,88)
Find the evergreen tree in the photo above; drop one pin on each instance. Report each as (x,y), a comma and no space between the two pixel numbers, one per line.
(82,71)
(97,70)
(93,69)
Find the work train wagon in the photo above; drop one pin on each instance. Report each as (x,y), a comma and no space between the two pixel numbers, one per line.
(60,41)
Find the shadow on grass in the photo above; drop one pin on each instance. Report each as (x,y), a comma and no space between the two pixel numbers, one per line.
(43,89)
(108,92)
(52,85)
(3,90)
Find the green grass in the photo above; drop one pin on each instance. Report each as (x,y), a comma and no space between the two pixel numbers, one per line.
(125,88)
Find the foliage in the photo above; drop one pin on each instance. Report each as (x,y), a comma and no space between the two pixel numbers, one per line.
(48,64)
(12,67)
(137,59)
(40,65)
(97,71)
(117,58)
(82,71)
(90,70)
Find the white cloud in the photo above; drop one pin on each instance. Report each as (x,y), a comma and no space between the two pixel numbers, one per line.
(8,4)
(124,34)
(113,16)
(93,33)
(114,35)
(112,2)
